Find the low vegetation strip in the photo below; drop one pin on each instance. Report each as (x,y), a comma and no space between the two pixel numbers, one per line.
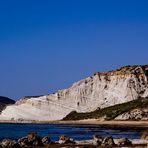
(111,112)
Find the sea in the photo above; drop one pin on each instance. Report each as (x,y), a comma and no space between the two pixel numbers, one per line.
(77,132)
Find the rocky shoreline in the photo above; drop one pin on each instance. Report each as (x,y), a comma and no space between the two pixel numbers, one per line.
(33,140)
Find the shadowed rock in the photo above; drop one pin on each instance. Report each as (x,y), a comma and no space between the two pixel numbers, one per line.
(46,141)
(23,142)
(145,135)
(108,141)
(124,142)
(8,143)
(97,140)
(65,140)
(32,139)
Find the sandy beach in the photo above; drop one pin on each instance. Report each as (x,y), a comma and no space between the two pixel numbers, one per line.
(91,121)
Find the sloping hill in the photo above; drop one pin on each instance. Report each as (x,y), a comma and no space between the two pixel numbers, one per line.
(4,101)
(101,90)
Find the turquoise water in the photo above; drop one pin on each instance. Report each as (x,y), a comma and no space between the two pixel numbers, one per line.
(78,132)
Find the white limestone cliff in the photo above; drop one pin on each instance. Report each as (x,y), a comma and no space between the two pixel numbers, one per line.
(98,91)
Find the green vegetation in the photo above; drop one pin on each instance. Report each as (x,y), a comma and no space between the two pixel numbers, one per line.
(130,69)
(146,72)
(110,112)
(135,69)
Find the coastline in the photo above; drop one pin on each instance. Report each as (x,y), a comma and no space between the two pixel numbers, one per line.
(118,125)
(95,122)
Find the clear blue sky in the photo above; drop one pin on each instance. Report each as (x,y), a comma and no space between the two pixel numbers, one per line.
(46,45)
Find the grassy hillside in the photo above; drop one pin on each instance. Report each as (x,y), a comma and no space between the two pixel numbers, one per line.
(110,112)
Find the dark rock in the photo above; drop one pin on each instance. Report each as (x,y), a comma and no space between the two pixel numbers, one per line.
(4,101)
(97,140)
(23,142)
(108,141)
(8,143)
(32,139)
(144,135)
(46,141)
(124,142)
(65,139)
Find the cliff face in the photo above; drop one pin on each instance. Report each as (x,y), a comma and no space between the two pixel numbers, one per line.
(98,91)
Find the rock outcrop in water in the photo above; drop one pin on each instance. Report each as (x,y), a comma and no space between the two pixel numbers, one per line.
(98,91)
(32,140)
